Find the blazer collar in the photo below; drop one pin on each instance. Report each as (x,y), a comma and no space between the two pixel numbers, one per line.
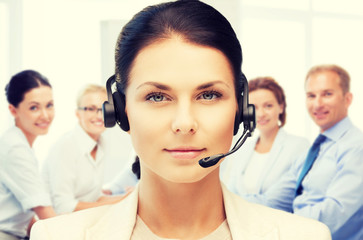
(118,222)
(243,220)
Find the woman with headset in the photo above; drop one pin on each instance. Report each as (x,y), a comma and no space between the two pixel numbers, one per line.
(22,193)
(268,155)
(179,95)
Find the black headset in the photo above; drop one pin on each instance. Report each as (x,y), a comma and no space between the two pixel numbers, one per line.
(114,108)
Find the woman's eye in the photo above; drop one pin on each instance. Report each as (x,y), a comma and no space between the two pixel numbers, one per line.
(50,105)
(33,108)
(156,97)
(210,95)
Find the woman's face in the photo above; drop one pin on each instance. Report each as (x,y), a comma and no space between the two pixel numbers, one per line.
(90,115)
(181,106)
(35,113)
(267,109)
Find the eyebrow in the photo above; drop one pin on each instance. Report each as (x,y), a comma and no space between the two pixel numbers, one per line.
(155,84)
(324,90)
(38,103)
(210,84)
(33,102)
(166,87)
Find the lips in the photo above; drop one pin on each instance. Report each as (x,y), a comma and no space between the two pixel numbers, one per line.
(97,123)
(185,152)
(321,114)
(262,122)
(43,125)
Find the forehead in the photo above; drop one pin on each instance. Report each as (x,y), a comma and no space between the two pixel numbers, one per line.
(262,95)
(324,80)
(93,96)
(176,61)
(38,94)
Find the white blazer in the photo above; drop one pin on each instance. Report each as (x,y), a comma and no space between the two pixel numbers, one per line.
(285,150)
(246,221)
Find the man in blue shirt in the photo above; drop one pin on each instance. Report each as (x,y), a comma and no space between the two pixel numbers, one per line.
(332,190)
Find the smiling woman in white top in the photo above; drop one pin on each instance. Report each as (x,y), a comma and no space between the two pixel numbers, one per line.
(179,92)
(259,164)
(22,192)
(74,169)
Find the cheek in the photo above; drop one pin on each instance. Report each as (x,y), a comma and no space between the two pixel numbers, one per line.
(309,106)
(145,128)
(51,115)
(220,129)
(83,121)
(276,114)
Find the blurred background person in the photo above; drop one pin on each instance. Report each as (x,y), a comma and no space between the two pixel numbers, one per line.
(263,160)
(126,180)
(74,168)
(326,182)
(22,192)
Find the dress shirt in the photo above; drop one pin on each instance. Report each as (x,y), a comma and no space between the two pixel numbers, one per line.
(333,188)
(284,151)
(70,172)
(21,184)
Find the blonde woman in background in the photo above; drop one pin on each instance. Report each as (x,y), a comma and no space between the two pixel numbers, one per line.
(23,195)
(74,168)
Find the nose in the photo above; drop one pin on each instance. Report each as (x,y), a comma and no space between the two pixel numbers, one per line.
(184,121)
(259,113)
(318,103)
(46,113)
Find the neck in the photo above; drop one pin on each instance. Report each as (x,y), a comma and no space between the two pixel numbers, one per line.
(94,152)
(181,210)
(29,137)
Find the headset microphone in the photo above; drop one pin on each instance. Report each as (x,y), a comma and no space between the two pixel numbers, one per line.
(213,160)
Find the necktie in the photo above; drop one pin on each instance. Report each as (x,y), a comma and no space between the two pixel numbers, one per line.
(313,153)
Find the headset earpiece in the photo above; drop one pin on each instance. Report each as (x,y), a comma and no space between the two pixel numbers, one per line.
(246,112)
(121,117)
(114,108)
(238,117)
(108,114)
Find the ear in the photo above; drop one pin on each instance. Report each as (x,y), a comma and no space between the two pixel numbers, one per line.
(13,110)
(281,108)
(348,98)
(78,114)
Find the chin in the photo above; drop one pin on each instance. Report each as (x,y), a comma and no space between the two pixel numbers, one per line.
(189,176)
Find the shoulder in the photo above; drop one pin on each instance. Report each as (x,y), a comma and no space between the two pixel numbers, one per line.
(13,137)
(68,226)
(259,220)
(346,142)
(353,136)
(102,222)
(14,148)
